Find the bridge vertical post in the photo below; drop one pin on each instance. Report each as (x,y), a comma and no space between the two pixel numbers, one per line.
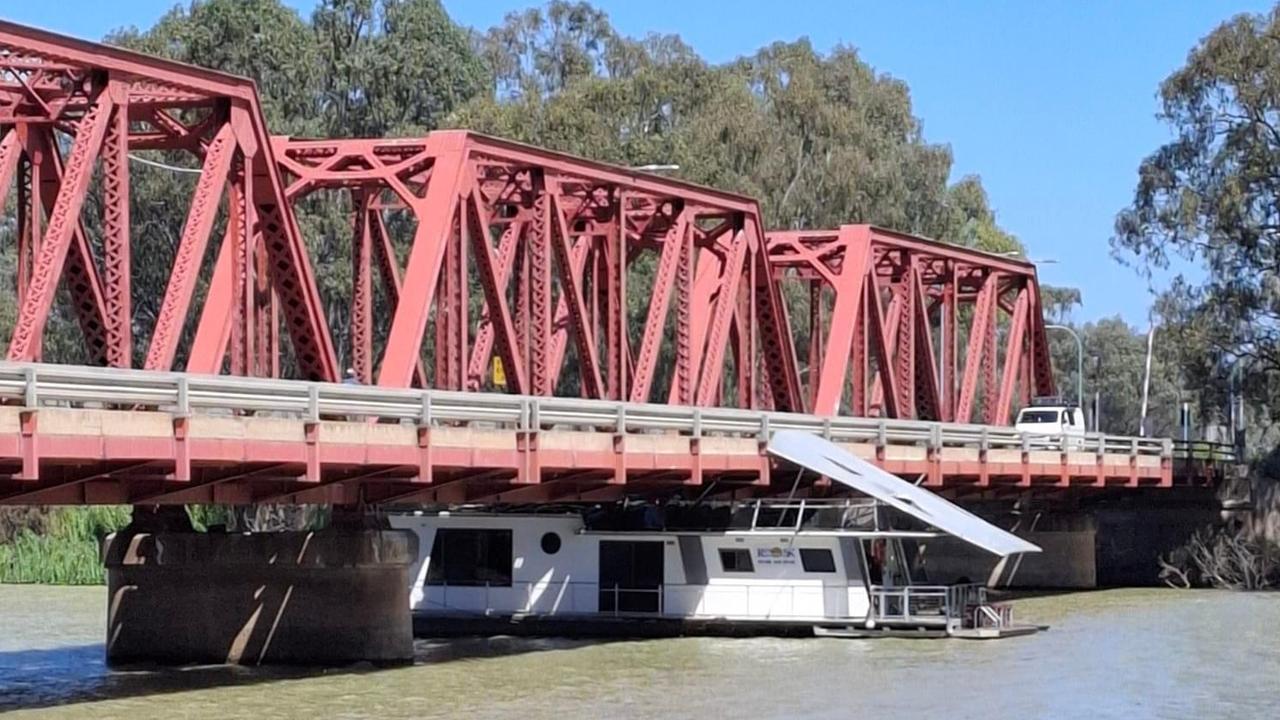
(1133,462)
(1100,452)
(1064,454)
(181,431)
(530,470)
(1166,462)
(311,431)
(620,446)
(695,449)
(1025,479)
(984,467)
(934,455)
(762,444)
(425,474)
(27,420)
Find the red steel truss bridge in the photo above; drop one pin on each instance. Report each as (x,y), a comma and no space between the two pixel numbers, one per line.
(514,282)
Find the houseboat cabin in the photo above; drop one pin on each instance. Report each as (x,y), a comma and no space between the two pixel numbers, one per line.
(845,567)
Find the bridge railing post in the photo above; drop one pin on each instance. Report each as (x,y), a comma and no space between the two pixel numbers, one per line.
(313,403)
(30,389)
(424,439)
(183,408)
(424,413)
(181,430)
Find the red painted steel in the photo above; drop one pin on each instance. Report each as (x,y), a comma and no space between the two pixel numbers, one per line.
(557,248)
(537,272)
(105,102)
(888,312)
(84,458)
(563,255)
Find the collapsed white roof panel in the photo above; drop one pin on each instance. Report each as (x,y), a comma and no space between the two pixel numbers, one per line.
(826,458)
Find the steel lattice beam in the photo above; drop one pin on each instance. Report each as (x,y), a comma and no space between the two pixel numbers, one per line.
(589,279)
(550,241)
(111,102)
(893,311)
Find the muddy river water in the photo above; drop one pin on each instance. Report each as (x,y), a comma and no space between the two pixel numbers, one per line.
(1109,654)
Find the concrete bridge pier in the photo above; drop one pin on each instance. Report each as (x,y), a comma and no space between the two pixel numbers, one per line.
(331,597)
(1117,545)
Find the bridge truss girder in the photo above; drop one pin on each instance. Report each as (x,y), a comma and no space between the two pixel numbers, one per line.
(888,315)
(72,114)
(566,255)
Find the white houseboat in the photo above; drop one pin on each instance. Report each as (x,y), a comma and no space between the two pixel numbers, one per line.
(792,567)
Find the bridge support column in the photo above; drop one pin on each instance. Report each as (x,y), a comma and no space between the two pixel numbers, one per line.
(331,597)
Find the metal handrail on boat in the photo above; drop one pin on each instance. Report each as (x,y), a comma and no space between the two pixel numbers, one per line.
(800,506)
(925,604)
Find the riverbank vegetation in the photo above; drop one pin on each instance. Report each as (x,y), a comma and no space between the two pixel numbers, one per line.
(58,546)
(61,546)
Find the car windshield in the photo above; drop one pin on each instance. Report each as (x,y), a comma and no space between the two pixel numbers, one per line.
(1035,417)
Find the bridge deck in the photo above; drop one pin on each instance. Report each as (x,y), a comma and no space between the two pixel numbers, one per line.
(90,435)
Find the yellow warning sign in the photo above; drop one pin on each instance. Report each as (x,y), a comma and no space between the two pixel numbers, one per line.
(499,373)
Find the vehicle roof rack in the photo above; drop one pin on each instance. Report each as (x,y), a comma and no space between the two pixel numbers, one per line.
(1050,401)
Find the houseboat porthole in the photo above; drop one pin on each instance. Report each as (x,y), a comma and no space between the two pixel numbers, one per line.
(550,543)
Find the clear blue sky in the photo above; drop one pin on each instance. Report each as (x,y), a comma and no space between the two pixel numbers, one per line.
(1052,103)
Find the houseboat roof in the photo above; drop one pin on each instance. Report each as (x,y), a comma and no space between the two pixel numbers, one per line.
(826,458)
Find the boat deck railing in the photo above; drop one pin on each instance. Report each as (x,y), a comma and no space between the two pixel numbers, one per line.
(944,605)
(796,514)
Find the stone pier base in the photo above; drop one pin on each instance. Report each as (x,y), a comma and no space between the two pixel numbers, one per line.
(324,598)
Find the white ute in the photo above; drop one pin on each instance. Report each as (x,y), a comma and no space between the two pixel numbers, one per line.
(1050,417)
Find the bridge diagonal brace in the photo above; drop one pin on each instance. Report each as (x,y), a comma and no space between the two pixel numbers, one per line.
(712,359)
(849,292)
(983,318)
(1013,357)
(560,318)
(482,347)
(495,298)
(63,223)
(663,281)
(572,291)
(436,213)
(389,269)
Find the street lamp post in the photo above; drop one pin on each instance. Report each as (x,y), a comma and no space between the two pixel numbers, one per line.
(1079,359)
(1146,380)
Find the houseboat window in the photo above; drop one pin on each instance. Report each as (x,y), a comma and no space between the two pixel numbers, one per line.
(817,560)
(736,560)
(550,543)
(470,557)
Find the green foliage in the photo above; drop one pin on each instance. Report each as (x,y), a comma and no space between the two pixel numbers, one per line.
(356,68)
(1114,367)
(204,517)
(821,140)
(1210,198)
(66,552)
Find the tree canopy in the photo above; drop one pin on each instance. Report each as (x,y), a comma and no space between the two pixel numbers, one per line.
(821,140)
(1208,203)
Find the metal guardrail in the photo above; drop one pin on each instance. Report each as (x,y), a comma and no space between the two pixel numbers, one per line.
(39,385)
(1204,451)
(945,604)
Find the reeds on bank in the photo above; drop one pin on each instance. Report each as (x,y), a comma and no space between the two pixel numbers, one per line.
(65,550)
